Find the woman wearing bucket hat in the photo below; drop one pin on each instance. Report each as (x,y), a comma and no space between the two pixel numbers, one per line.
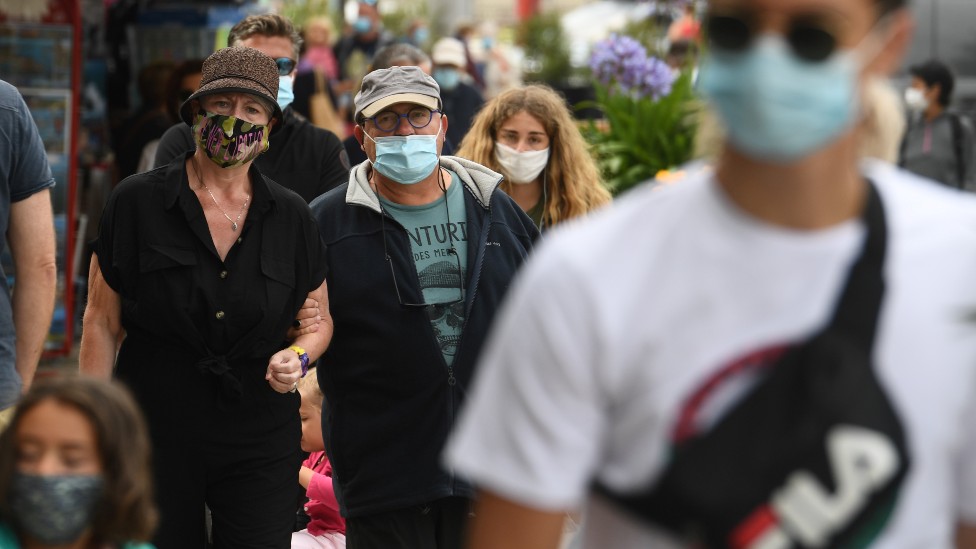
(190,274)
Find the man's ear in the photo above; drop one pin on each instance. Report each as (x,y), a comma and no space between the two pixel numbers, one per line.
(443,126)
(900,29)
(357,132)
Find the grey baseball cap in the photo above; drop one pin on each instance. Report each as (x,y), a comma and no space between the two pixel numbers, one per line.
(384,87)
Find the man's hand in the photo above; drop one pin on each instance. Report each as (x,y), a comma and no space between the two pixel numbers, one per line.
(306,321)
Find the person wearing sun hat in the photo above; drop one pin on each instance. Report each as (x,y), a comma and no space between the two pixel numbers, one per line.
(421,250)
(190,274)
(301,157)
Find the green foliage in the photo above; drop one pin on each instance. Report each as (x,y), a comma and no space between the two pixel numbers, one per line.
(640,137)
(546,48)
(397,21)
(300,12)
(647,31)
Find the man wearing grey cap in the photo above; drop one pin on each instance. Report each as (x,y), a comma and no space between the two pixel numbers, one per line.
(421,251)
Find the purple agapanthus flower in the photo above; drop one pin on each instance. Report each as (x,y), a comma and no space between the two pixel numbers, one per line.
(657,80)
(622,64)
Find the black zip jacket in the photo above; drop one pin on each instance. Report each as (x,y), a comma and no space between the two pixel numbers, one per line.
(391,399)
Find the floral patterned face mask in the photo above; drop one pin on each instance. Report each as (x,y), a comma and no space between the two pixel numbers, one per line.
(229,141)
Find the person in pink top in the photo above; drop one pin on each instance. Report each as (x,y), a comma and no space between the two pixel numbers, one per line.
(686,28)
(327,528)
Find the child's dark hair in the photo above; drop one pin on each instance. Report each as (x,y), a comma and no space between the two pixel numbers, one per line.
(126,511)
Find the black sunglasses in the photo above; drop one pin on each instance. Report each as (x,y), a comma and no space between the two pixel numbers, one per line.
(285,65)
(809,39)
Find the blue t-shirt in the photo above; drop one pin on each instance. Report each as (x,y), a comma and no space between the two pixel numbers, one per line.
(440,270)
(24,171)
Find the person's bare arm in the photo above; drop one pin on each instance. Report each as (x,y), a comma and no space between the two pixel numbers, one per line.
(102,326)
(32,245)
(500,523)
(316,342)
(965,536)
(284,369)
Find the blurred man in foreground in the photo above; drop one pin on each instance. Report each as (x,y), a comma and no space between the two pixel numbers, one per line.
(776,354)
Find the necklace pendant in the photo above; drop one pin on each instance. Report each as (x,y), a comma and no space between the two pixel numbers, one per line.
(233,226)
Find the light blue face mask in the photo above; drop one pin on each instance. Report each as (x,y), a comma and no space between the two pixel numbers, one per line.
(406,159)
(777,107)
(447,78)
(362,25)
(286,91)
(420,36)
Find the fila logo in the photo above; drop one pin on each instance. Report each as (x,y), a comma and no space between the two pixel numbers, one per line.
(804,511)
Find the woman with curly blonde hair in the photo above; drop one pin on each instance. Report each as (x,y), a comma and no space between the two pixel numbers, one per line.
(529,135)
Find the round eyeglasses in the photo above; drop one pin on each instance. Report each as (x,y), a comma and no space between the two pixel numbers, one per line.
(418,117)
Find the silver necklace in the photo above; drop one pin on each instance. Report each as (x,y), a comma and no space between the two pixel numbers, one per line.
(247,197)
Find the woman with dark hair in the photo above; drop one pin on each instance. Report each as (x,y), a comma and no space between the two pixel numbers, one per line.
(183,82)
(75,469)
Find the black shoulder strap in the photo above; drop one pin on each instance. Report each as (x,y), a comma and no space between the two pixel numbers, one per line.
(957,147)
(856,312)
(903,147)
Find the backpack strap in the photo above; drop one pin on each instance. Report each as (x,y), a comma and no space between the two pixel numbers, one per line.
(903,147)
(957,146)
(955,123)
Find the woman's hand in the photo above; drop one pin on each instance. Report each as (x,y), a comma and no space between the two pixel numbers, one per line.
(284,371)
(306,321)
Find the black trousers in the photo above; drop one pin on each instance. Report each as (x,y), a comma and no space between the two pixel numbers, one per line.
(238,456)
(251,497)
(440,524)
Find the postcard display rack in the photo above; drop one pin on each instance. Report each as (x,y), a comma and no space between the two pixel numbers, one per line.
(42,58)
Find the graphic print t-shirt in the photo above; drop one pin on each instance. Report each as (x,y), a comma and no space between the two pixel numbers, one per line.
(440,271)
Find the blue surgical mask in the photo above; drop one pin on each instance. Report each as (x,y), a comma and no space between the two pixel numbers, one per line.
(405,159)
(286,91)
(420,36)
(447,78)
(777,107)
(54,510)
(362,25)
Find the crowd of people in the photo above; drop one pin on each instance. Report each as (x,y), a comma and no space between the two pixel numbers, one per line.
(439,331)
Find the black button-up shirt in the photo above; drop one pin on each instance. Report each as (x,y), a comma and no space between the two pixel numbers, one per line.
(190,316)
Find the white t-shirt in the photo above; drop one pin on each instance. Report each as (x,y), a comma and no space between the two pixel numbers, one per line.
(617,319)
